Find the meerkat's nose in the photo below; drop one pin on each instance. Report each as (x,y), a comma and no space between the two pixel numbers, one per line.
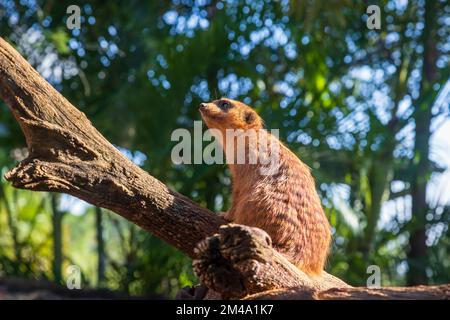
(202,106)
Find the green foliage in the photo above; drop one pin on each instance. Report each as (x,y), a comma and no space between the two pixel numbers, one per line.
(25,242)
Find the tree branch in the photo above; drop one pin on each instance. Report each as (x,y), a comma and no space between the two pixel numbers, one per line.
(441,292)
(239,262)
(67,154)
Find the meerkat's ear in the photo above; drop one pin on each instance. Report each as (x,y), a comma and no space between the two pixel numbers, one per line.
(249,117)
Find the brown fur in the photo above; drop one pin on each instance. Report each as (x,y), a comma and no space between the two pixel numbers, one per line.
(286,204)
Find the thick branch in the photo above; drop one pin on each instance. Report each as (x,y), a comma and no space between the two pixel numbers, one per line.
(67,154)
(441,292)
(239,262)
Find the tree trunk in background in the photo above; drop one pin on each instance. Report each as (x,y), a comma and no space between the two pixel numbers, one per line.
(378,190)
(57,216)
(100,246)
(417,256)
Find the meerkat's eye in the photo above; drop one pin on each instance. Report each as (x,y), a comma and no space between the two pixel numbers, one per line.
(224,105)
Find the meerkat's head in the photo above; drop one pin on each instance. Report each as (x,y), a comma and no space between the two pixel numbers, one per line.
(225,114)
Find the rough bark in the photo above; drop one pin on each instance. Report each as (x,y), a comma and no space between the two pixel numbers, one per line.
(239,262)
(441,292)
(67,154)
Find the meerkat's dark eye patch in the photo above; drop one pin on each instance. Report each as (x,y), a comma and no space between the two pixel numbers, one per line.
(224,105)
(249,117)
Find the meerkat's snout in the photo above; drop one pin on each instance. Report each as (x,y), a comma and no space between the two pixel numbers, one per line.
(208,110)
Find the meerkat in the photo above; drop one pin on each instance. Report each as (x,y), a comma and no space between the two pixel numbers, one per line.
(285,203)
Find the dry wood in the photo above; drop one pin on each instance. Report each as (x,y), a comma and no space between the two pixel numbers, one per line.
(67,154)
(239,262)
(441,292)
